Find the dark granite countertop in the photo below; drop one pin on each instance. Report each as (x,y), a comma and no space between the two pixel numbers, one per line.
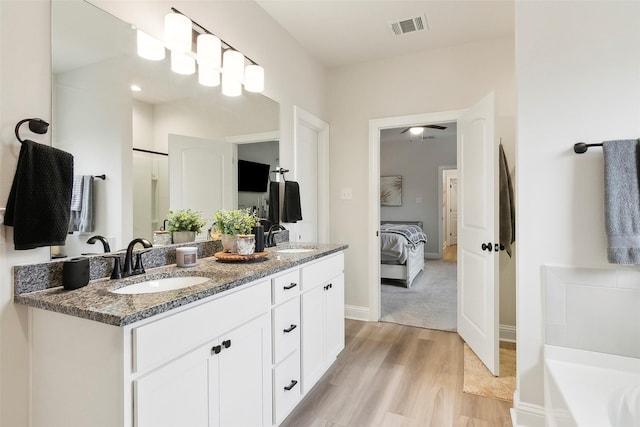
(96,302)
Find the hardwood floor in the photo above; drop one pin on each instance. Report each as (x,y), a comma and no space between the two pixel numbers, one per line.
(450,253)
(395,375)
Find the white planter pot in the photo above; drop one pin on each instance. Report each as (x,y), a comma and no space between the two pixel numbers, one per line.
(184,236)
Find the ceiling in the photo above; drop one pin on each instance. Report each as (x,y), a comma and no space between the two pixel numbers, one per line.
(344,32)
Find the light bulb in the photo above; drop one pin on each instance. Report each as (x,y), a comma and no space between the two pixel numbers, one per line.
(254,78)
(182,63)
(177,32)
(416,130)
(149,47)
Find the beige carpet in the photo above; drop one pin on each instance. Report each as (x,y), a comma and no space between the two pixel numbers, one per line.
(478,380)
(429,303)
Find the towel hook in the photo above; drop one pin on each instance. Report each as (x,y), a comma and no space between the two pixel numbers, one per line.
(36,125)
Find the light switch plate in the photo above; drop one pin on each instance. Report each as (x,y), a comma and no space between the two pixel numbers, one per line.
(346,193)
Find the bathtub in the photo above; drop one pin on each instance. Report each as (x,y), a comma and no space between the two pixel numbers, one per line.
(589,389)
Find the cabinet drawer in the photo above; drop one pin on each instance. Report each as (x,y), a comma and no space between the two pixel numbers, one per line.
(286,286)
(286,329)
(286,386)
(172,336)
(318,272)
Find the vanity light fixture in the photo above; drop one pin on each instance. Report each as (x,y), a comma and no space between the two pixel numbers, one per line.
(149,47)
(177,32)
(214,56)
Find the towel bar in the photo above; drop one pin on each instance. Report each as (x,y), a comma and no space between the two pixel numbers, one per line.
(582,147)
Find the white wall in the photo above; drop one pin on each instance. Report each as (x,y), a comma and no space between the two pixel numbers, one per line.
(578,80)
(418,164)
(430,81)
(25,89)
(25,86)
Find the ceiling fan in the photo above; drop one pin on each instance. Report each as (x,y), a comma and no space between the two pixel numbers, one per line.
(417,130)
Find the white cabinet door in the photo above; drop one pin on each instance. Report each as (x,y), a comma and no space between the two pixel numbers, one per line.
(244,376)
(322,329)
(176,394)
(312,337)
(334,317)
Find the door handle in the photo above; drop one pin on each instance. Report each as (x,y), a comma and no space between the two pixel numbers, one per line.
(290,386)
(289,329)
(290,286)
(487,247)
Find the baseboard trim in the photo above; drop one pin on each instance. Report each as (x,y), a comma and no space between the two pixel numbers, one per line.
(526,414)
(356,312)
(507,333)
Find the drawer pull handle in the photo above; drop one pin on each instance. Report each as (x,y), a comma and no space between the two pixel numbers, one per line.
(290,286)
(289,329)
(290,386)
(226,343)
(216,349)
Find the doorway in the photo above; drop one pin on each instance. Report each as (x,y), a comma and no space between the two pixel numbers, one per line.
(418,157)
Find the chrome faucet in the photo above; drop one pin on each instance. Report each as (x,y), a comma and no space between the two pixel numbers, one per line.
(270,236)
(128,269)
(104,241)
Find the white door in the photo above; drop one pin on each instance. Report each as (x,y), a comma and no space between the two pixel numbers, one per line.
(307,176)
(202,175)
(451,206)
(478,232)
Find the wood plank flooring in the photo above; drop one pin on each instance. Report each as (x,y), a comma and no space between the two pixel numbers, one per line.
(394,375)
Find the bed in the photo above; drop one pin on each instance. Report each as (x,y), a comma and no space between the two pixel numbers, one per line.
(401,250)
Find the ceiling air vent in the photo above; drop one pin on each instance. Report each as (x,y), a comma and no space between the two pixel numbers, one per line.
(409,25)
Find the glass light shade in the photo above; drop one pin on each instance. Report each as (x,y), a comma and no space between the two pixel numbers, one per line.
(177,32)
(208,75)
(149,47)
(182,63)
(416,130)
(233,65)
(231,86)
(209,50)
(254,78)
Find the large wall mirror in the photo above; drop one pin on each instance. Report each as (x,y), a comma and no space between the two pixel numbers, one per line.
(171,144)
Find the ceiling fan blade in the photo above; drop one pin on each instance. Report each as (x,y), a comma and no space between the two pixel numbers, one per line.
(405,130)
(435,127)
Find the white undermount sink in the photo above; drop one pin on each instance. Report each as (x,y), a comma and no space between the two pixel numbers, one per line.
(160,285)
(294,250)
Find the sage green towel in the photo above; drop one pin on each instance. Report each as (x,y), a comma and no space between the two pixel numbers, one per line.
(507,205)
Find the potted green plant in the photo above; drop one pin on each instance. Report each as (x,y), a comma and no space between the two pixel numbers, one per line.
(234,223)
(184,224)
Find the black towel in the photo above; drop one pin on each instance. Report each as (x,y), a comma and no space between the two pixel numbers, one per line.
(274,202)
(39,202)
(291,210)
(507,204)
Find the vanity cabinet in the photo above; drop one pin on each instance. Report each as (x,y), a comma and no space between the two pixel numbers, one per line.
(322,307)
(212,385)
(243,357)
(204,365)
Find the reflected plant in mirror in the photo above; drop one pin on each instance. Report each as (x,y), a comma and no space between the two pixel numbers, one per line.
(186,137)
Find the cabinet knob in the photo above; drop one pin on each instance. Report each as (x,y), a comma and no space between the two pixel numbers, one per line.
(289,329)
(329,286)
(226,343)
(290,286)
(290,386)
(216,349)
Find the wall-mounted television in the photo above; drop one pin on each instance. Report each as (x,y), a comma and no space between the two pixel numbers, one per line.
(253,176)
